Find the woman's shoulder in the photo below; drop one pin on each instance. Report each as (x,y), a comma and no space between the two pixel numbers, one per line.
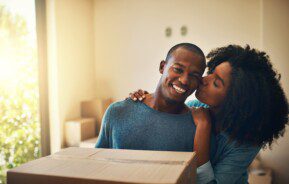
(234,147)
(196,103)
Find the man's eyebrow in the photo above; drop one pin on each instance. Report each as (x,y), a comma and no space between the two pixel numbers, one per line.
(218,77)
(179,65)
(194,72)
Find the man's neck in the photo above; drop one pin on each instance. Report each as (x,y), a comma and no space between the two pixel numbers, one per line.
(159,103)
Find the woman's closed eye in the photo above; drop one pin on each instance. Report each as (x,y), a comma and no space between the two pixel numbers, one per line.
(215,84)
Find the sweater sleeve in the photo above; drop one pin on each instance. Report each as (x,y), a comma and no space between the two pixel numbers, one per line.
(103,140)
(232,165)
(196,103)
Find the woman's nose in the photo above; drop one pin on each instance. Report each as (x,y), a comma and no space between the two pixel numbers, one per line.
(205,80)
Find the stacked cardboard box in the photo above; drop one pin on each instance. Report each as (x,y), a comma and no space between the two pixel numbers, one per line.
(88,143)
(78,130)
(88,125)
(95,109)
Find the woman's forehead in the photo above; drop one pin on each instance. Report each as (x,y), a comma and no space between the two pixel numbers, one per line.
(224,71)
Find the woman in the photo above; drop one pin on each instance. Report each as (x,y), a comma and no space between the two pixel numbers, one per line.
(248,110)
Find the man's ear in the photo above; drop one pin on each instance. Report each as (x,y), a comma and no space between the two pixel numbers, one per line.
(162,66)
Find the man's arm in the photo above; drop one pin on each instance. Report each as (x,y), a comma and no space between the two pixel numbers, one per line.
(103,140)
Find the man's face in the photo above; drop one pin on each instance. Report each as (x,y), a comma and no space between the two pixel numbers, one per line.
(182,74)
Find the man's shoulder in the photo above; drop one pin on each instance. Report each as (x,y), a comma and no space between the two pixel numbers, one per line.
(122,106)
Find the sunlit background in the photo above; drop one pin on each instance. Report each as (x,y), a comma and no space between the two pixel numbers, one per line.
(86,49)
(19,93)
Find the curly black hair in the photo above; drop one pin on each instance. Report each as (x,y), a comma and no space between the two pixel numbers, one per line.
(255,110)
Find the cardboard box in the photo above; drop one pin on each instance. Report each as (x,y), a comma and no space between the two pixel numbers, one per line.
(78,130)
(88,143)
(110,166)
(95,109)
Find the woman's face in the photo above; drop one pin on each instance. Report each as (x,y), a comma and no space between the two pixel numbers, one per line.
(214,87)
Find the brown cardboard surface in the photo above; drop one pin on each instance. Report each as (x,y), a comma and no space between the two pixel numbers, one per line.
(88,143)
(87,165)
(79,130)
(95,109)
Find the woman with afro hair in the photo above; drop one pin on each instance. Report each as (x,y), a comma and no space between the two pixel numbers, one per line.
(242,105)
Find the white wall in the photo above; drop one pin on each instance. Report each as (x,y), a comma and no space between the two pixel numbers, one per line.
(70,60)
(130,40)
(276,43)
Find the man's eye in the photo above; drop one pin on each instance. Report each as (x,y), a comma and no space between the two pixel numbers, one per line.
(178,70)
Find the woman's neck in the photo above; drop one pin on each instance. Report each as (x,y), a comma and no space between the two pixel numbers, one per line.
(215,119)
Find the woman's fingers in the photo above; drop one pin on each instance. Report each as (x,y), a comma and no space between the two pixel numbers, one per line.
(132,96)
(142,93)
(138,95)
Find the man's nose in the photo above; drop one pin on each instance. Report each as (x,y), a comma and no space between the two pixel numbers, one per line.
(184,79)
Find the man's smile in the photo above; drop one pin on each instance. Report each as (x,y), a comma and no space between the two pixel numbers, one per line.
(179,89)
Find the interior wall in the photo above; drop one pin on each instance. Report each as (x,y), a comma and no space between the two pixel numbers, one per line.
(276,43)
(71,62)
(130,36)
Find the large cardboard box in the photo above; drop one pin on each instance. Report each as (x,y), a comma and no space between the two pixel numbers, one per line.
(110,166)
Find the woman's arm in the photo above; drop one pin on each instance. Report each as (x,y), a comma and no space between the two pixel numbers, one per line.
(202,121)
(202,140)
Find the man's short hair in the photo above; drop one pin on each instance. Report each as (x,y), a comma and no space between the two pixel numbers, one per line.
(189,46)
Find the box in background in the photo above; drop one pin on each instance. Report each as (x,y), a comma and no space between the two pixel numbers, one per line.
(95,109)
(78,130)
(88,143)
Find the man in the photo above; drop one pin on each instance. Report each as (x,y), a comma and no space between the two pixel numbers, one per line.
(163,121)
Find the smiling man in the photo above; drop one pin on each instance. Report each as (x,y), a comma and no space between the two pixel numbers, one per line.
(162,121)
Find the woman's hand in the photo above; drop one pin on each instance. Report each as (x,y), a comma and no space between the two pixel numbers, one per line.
(202,117)
(138,95)
(202,120)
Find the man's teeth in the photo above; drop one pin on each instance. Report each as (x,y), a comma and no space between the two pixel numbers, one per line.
(178,89)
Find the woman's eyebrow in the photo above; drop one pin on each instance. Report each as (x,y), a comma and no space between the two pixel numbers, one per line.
(218,77)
